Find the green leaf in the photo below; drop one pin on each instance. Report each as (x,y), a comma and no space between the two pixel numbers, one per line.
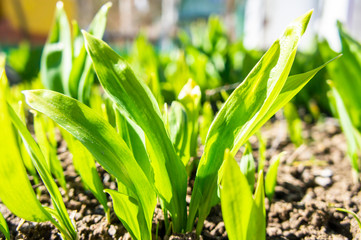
(82,74)
(271,177)
(352,213)
(4,227)
(247,166)
(346,125)
(56,59)
(242,113)
(101,139)
(257,219)
(16,191)
(236,199)
(134,100)
(87,170)
(65,225)
(178,130)
(48,148)
(135,139)
(128,210)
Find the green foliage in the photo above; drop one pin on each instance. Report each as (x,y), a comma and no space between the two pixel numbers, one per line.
(84,164)
(248,167)
(15,188)
(244,215)
(346,73)
(68,69)
(248,107)
(4,227)
(148,153)
(109,149)
(178,130)
(294,124)
(190,97)
(25,60)
(44,132)
(351,133)
(206,120)
(271,177)
(134,100)
(145,63)
(56,60)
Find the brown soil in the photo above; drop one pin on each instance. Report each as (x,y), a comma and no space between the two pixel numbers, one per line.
(312,180)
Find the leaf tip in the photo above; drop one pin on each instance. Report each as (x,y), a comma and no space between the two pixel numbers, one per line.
(59,5)
(106,6)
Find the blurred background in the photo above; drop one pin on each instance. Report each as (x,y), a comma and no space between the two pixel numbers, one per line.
(214,42)
(258,22)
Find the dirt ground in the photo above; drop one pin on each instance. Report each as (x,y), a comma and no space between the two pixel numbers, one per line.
(313,179)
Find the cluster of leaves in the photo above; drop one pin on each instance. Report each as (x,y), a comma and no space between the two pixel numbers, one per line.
(146,150)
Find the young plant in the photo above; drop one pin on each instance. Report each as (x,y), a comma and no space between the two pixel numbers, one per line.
(344,95)
(65,65)
(15,189)
(351,133)
(135,200)
(244,215)
(45,134)
(271,177)
(261,95)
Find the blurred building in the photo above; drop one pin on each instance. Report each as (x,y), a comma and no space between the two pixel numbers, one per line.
(258,22)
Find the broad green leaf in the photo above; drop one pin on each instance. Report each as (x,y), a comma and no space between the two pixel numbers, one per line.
(178,130)
(271,177)
(85,166)
(127,209)
(135,139)
(4,227)
(248,167)
(236,199)
(293,85)
(240,116)
(134,100)
(101,140)
(48,148)
(346,73)
(65,225)
(16,191)
(346,125)
(56,59)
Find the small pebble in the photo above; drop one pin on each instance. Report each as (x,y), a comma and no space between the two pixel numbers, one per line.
(326,173)
(323,181)
(112,230)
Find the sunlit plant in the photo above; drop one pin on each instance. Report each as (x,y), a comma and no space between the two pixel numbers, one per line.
(161,172)
(16,191)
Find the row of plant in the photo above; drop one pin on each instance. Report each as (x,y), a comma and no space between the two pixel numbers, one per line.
(150,148)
